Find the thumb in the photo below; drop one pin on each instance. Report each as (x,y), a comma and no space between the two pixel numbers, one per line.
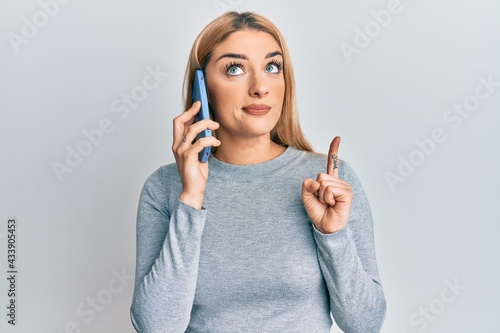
(309,188)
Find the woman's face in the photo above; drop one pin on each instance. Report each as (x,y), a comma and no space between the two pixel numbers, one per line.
(245,84)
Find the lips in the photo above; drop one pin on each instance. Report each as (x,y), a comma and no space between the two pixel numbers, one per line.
(257,109)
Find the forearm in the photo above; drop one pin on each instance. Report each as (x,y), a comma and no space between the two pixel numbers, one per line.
(164,294)
(356,296)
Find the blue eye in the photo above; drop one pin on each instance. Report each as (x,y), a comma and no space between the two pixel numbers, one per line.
(234,69)
(272,68)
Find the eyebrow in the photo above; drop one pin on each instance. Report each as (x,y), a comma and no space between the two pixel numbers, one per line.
(274,54)
(244,57)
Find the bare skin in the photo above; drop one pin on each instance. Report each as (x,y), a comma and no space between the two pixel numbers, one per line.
(328,199)
(246,89)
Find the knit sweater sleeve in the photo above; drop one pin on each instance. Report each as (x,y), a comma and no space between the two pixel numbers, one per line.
(167,258)
(348,264)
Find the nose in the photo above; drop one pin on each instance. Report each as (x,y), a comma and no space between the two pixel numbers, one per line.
(258,86)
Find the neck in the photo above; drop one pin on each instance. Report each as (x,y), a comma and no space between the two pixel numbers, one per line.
(243,151)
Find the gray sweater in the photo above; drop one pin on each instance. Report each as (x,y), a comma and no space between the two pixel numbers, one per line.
(251,260)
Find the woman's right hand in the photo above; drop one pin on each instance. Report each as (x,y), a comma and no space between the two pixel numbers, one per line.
(193,173)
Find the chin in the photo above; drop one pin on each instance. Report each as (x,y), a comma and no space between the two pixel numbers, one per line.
(259,131)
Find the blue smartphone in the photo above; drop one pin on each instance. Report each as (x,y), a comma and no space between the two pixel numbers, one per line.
(200,94)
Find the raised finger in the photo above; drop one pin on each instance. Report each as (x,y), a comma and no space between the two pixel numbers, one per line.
(332,165)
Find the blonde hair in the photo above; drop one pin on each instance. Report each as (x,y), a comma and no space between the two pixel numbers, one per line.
(287,131)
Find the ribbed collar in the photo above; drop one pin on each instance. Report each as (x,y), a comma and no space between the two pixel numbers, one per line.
(251,172)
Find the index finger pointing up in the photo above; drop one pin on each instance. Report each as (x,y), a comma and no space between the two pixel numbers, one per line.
(332,166)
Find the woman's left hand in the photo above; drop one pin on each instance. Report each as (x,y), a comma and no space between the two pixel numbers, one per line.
(328,199)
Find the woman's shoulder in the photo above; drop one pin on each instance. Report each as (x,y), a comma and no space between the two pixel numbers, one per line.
(164,177)
(167,170)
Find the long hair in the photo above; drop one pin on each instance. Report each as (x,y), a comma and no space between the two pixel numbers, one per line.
(287,131)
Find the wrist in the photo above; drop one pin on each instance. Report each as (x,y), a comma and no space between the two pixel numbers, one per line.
(330,229)
(193,200)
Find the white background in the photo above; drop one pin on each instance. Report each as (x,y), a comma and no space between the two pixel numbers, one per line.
(437,226)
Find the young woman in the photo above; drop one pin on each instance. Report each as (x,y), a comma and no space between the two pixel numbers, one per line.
(267,236)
